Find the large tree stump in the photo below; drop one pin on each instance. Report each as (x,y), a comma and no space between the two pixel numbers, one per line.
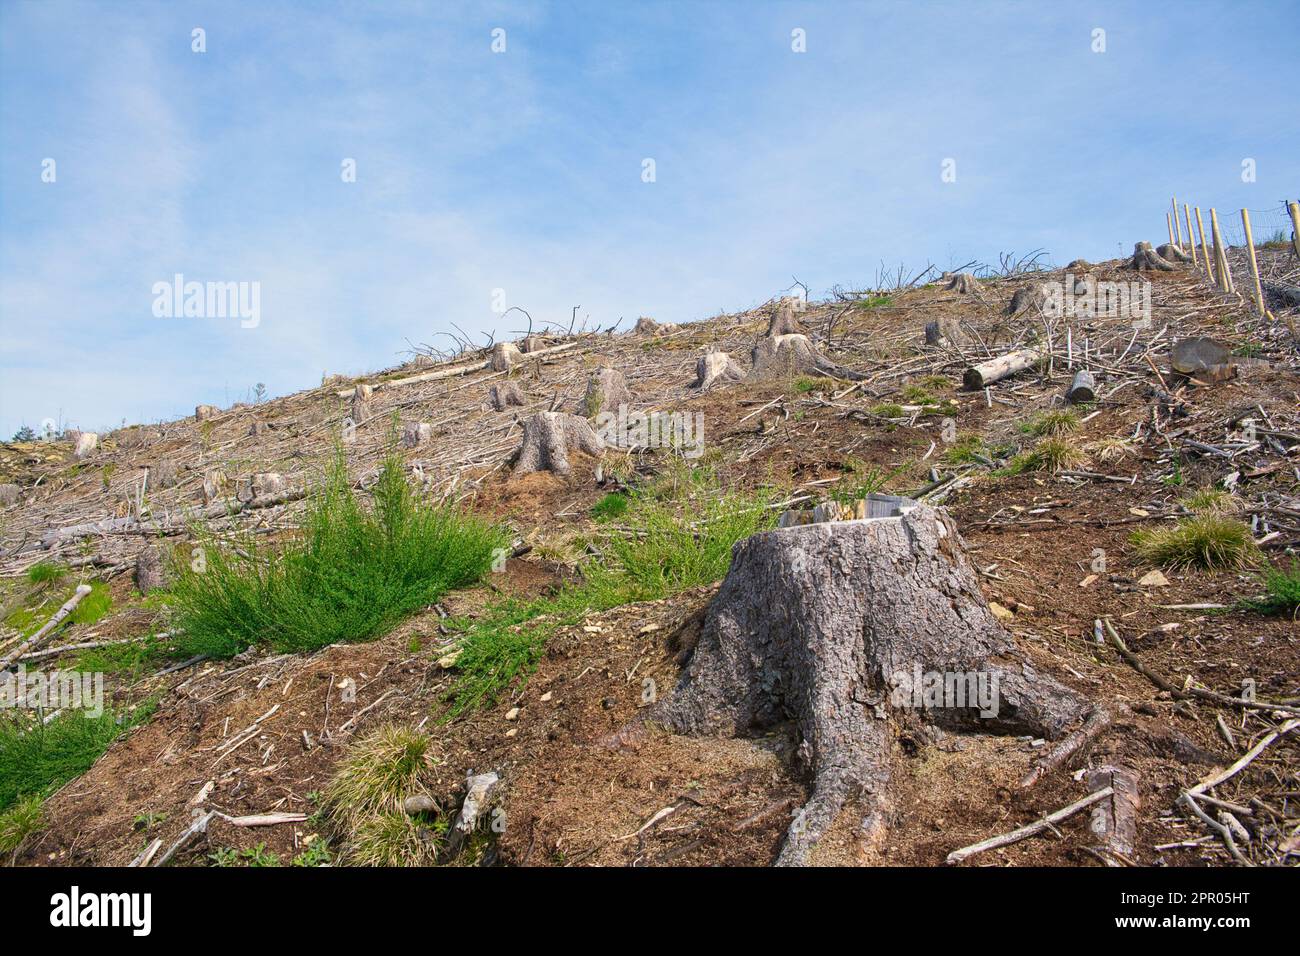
(716,368)
(1027,299)
(84,443)
(945,331)
(846,627)
(1172,253)
(416,434)
(504,357)
(1146,259)
(646,326)
(361,409)
(506,395)
(150,575)
(964,283)
(203,412)
(9,494)
(606,391)
(550,437)
(784,351)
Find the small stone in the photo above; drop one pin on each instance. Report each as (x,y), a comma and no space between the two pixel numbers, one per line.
(512,731)
(1087,582)
(546,697)
(420,803)
(512,713)
(1153,579)
(448,661)
(1000,612)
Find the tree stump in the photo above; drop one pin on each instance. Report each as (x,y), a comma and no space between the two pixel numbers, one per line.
(549,439)
(784,351)
(606,391)
(857,631)
(264,484)
(1029,298)
(1146,259)
(1172,253)
(646,326)
(149,572)
(214,483)
(361,409)
(203,412)
(945,331)
(1083,388)
(9,494)
(506,395)
(963,282)
(416,434)
(505,356)
(86,442)
(716,368)
(531,343)
(162,474)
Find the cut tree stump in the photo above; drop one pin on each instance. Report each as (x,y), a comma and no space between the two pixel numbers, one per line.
(646,326)
(531,343)
(996,369)
(416,434)
(86,442)
(549,439)
(361,409)
(163,474)
(9,494)
(859,631)
(716,368)
(606,391)
(1146,259)
(784,351)
(1083,388)
(506,395)
(505,356)
(1172,253)
(964,283)
(1029,299)
(945,331)
(149,572)
(203,412)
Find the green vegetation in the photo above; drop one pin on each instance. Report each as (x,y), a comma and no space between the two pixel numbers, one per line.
(613,505)
(1055,423)
(685,526)
(888,410)
(36,759)
(967,451)
(1205,541)
(22,819)
(350,575)
(43,572)
(256,856)
(805,384)
(917,395)
(1212,501)
(1283,591)
(317,854)
(364,800)
(875,302)
(1050,454)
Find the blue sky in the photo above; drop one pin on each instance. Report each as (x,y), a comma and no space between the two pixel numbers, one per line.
(522,170)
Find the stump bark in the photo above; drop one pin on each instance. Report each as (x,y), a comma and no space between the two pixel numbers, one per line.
(784,351)
(506,395)
(549,439)
(837,626)
(964,283)
(606,391)
(149,572)
(716,368)
(1146,259)
(505,356)
(203,412)
(945,331)
(1030,298)
(361,409)
(416,434)
(646,326)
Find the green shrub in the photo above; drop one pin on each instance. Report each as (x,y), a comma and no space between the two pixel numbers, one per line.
(349,575)
(23,818)
(43,571)
(613,505)
(1283,591)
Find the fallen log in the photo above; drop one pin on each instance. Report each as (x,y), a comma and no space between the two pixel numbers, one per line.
(1083,388)
(996,369)
(453,372)
(47,628)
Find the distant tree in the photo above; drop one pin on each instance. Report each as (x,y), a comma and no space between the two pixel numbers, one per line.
(259,392)
(24,434)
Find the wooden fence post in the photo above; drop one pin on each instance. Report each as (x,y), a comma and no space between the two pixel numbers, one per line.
(1254,266)
(1190,240)
(1294,209)
(1205,250)
(1178,231)
(1221,254)
(1170,226)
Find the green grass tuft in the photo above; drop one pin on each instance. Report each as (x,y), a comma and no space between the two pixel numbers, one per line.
(45,571)
(22,819)
(1205,541)
(1283,591)
(1212,501)
(613,505)
(349,575)
(1054,423)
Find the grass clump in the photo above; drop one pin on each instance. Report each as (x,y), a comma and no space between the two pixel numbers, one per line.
(1212,501)
(917,394)
(684,527)
(888,410)
(36,759)
(613,505)
(1050,454)
(42,572)
(967,451)
(22,819)
(1282,589)
(1204,541)
(350,574)
(1054,424)
(364,799)
(805,384)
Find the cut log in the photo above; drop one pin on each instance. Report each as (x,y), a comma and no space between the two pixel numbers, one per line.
(716,368)
(1114,820)
(606,391)
(1146,259)
(506,395)
(1083,388)
(455,369)
(858,631)
(996,369)
(549,439)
